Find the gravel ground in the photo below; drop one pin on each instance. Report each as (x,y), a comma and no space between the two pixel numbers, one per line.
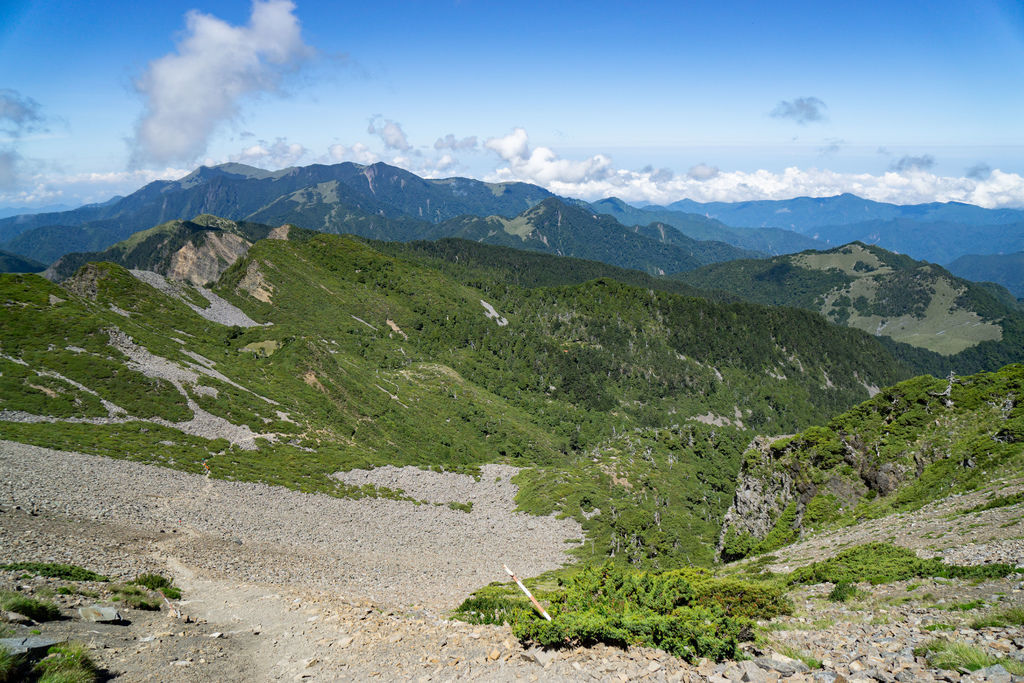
(219,310)
(392,551)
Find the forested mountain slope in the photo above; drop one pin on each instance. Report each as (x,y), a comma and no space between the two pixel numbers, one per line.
(338,356)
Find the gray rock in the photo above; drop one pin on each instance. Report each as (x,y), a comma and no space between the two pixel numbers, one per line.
(542,657)
(100,614)
(15,618)
(782,665)
(32,645)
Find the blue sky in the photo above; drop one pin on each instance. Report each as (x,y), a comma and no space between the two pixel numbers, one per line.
(897,101)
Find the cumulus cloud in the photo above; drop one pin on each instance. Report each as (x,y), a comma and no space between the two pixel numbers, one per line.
(596,177)
(702,171)
(913,163)
(541,165)
(189,93)
(359,153)
(979,171)
(280,154)
(390,132)
(450,142)
(803,110)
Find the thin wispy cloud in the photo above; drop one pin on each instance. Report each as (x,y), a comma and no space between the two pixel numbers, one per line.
(191,92)
(913,163)
(19,115)
(979,171)
(802,110)
(451,142)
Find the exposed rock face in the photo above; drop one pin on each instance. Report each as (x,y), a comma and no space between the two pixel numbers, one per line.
(255,285)
(84,282)
(758,502)
(203,263)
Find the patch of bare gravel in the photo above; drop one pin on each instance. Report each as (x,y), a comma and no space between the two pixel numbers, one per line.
(395,552)
(219,310)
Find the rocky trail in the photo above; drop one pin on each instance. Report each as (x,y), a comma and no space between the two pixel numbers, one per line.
(279,585)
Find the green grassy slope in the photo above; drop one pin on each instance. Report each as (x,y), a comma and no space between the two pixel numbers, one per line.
(372,359)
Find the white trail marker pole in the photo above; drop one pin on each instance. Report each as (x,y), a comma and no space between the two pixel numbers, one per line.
(523,588)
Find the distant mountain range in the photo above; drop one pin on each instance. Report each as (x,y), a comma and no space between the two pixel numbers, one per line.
(807,214)
(768,240)
(386,203)
(379,202)
(1004,269)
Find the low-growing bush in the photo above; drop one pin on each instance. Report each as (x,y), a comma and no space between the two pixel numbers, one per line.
(135,597)
(843,591)
(68,572)
(156,582)
(884,563)
(37,610)
(689,613)
(997,502)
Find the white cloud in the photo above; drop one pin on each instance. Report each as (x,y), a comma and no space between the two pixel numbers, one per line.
(359,153)
(541,165)
(595,178)
(390,132)
(189,93)
(280,154)
(451,142)
(703,171)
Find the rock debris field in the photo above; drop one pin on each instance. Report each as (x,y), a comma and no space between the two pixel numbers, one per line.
(284,586)
(393,551)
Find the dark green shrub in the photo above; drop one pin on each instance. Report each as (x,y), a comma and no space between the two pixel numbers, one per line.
(156,582)
(685,612)
(68,572)
(843,591)
(884,563)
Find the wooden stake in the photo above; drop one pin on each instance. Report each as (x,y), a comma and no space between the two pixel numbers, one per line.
(523,588)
